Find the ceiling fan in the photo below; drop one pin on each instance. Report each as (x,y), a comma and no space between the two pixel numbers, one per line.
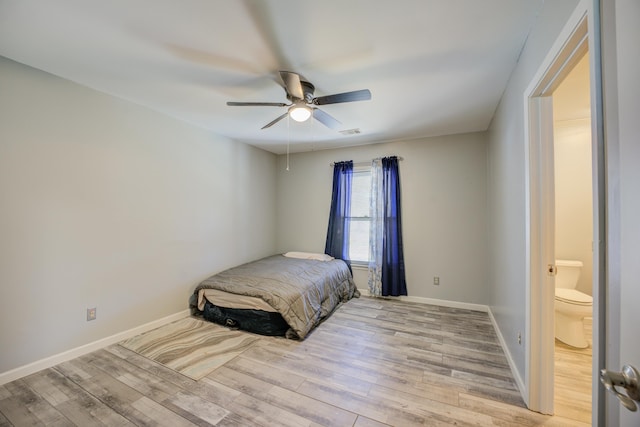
(303,103)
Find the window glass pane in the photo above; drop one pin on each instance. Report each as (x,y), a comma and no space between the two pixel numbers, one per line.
(359,241)
(360,194)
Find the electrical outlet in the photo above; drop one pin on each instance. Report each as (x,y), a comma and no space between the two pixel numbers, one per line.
(436,280)
(91,314)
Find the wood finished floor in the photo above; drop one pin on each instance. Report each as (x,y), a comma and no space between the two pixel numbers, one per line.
(572,380)
(373,363)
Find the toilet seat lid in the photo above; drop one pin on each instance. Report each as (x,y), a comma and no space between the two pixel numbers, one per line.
(573,296)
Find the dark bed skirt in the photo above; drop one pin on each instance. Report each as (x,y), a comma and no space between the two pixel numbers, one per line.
(256,321)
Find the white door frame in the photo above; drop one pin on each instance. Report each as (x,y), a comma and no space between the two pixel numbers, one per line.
(611,412)
(540,318)
(578,35)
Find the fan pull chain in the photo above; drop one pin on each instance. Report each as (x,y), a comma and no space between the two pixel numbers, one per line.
(313,134)
(288,140)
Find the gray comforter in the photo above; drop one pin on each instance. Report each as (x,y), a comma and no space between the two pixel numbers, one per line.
(303,291)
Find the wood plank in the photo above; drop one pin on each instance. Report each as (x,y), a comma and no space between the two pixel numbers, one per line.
(281,397)
(4,422)
(162,416)
(251,402)
(430,409)
(572,380)
(318,412)
(86,411)
(151,366)
(4,393)
(142,381)
(75,403)
(202,408)
(344,399)
(17,413)
(113,393)
(28,407)
(363,421)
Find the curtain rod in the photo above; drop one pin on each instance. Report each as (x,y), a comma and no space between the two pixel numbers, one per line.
(332,164)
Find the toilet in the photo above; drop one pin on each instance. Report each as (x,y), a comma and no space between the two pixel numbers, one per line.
(571,305)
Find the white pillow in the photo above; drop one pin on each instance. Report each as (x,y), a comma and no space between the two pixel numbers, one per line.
(309,255)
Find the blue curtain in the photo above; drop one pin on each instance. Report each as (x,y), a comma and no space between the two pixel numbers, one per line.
(338,232)
(393,278)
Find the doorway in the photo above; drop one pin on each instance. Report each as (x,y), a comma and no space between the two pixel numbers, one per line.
(573,235)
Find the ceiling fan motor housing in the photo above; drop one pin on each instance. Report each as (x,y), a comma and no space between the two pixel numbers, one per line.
(307,89)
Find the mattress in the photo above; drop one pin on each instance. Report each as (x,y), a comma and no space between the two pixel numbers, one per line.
(231,300)
(302,291)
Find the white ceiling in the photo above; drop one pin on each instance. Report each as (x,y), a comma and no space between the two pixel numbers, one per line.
(434,67)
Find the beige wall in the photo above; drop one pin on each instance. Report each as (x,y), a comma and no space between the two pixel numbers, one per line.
(443,210)
(107,204)
(573,198)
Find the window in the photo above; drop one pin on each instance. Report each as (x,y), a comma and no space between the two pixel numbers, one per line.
(360,220)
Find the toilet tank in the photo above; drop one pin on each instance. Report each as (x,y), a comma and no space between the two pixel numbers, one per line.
(568,273)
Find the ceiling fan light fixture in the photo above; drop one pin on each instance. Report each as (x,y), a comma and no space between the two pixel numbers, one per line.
(300,113)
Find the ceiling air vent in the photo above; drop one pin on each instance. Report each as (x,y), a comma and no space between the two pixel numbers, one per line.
(354,131)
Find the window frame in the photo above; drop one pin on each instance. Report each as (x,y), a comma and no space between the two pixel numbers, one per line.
(360,170)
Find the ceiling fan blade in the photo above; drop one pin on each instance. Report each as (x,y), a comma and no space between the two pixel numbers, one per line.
(356,95)
(273,122)
(256,104)
(292,84)
(326,119)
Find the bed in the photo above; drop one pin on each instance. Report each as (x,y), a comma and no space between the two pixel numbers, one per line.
(277,295)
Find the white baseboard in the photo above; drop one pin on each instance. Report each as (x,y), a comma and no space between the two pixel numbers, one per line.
(23,371)
(434,301)
(514,371)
